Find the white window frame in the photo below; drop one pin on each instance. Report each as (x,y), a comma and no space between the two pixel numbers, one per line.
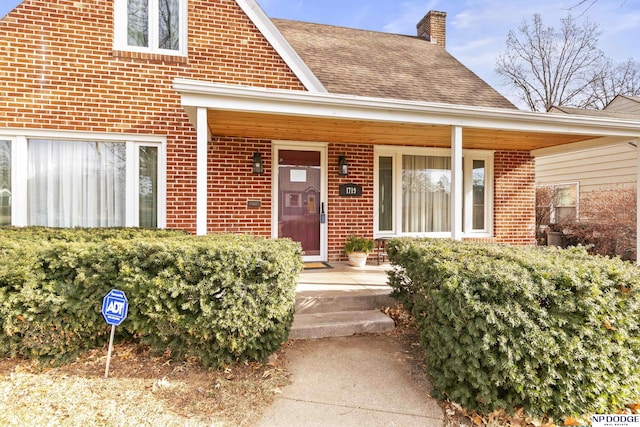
(468,157)
(554,206)
(396,153)
(120,34)
(20,156)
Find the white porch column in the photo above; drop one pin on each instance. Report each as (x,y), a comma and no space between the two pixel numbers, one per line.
(202,129)
(457,188)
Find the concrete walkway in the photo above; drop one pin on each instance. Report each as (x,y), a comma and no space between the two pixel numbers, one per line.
(352,381)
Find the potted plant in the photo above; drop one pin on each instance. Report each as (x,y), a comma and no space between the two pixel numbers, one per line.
(357,250)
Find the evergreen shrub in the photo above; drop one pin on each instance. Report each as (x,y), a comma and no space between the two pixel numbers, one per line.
(220,298)
(556,332)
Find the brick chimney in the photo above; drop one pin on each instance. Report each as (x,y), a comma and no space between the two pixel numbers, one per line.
(433,27)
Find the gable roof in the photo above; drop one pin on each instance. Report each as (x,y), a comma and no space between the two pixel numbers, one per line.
(629,97)
(594,113)
(286,52)
(374,64)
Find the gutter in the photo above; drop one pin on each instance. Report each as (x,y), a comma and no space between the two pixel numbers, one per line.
(216,96)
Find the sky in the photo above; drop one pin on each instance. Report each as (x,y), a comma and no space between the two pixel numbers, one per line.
(476,29)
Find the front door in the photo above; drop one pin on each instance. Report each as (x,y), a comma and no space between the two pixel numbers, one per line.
(300,199)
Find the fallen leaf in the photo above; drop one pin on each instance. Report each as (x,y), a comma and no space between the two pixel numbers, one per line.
(634,406)
(570,421)
(477,420)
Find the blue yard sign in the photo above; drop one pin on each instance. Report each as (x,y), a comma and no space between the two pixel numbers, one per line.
(114,311)
(115,307)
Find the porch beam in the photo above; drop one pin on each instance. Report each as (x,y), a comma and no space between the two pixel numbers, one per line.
(218,96)
(202,129)
(457,190)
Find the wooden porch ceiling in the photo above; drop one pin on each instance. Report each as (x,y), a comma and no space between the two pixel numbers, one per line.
(300,128)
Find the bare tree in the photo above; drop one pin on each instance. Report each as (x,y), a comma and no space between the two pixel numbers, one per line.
(607,222)
(587,4)
(614,80)
(552,67)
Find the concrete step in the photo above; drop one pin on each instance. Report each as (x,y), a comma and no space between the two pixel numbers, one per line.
(335,301)
(339,324)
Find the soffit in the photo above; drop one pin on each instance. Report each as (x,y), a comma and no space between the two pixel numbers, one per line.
(302,128)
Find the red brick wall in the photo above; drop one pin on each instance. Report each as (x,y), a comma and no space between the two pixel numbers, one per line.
(514,194)
(232,184)
(58,71)
(349,215)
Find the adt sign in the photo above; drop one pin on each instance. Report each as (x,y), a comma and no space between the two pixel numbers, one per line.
(115,307)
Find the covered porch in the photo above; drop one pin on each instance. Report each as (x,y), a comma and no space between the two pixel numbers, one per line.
(305,118)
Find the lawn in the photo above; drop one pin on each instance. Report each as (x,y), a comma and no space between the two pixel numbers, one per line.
(142,390)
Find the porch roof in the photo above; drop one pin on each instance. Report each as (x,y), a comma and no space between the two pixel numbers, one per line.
(239,111)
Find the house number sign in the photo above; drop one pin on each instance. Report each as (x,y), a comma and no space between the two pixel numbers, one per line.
(350,190)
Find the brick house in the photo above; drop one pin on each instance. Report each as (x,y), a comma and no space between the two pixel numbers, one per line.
(206,115)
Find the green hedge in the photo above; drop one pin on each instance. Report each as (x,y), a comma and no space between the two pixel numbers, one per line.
(554,331)
(220,298)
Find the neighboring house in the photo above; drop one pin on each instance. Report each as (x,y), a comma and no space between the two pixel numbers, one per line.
(207,116)
(571,176)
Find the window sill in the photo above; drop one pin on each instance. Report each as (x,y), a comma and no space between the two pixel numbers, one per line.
(157,57)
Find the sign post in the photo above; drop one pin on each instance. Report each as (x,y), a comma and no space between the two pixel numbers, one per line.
(114,311)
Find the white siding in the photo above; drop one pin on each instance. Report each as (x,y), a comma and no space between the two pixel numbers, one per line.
(594,168)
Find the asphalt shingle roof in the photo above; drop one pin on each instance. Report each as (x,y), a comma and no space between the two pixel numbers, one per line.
(383,65)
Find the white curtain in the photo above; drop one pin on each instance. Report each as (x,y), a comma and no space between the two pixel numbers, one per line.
(76,184)
(426,194)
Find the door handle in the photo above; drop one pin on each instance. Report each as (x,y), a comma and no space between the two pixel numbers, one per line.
(323,216)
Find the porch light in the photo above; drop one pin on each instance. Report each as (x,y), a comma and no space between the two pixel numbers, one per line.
(343,166)
(257,163)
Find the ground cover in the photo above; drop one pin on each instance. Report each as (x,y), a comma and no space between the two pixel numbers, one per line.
(142,390)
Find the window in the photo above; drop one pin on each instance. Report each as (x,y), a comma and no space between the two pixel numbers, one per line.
(76,184)
(477,195)
(148,187)
(413,192)
(71,182)
(426,194)
(5,183)
(155,26)
(566,203)
(556,204)
(385,193)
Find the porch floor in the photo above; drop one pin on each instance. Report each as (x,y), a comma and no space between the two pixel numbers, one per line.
(345,278)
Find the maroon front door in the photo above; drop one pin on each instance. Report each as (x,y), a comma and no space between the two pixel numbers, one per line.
(299,201)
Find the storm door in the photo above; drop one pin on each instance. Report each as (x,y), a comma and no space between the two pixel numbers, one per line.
(301,210)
